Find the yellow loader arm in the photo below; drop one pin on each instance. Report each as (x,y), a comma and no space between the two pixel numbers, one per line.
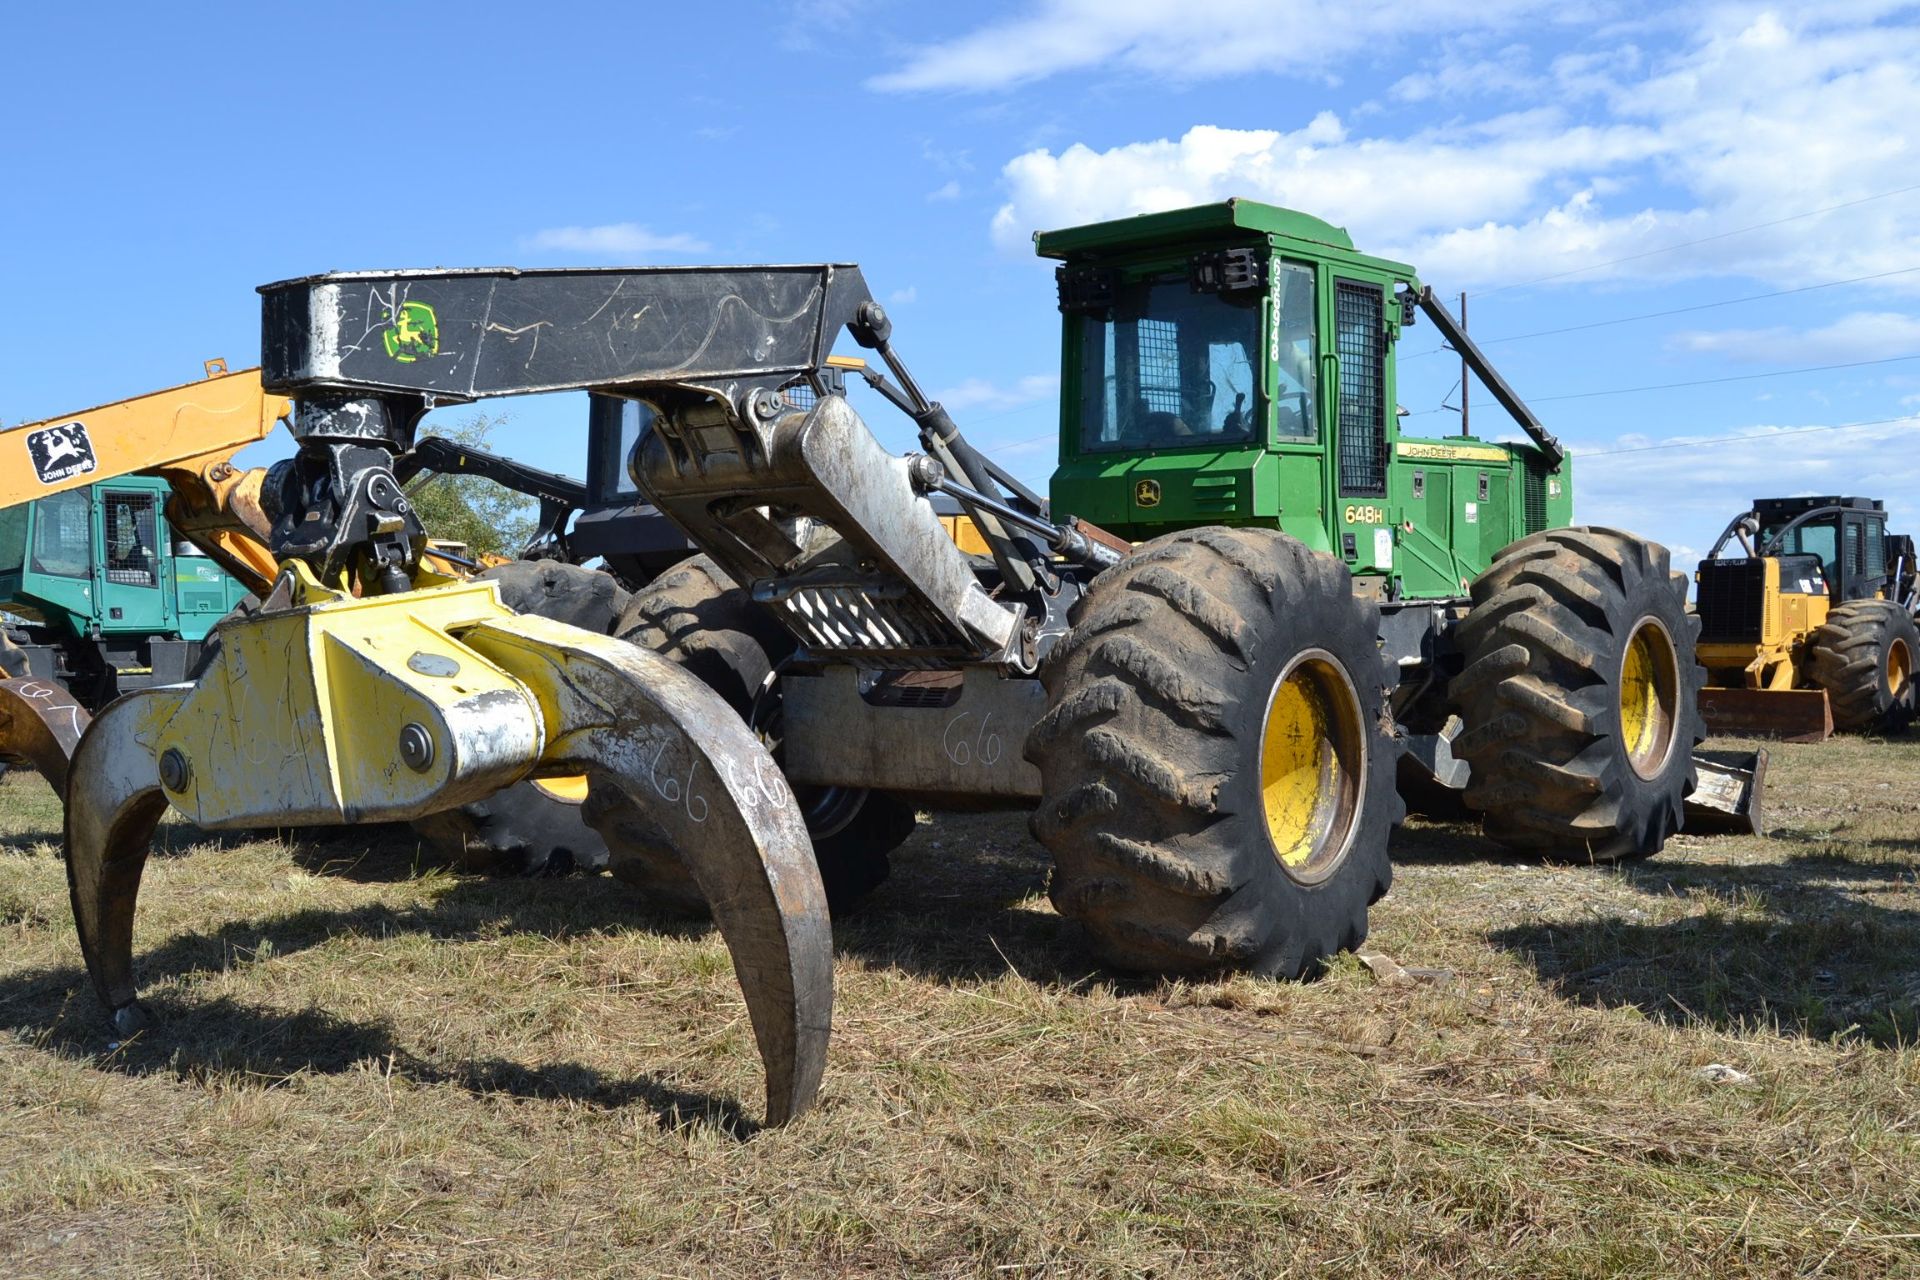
(186,435)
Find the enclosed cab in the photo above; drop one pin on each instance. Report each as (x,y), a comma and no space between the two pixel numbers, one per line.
(102,596)
(1233,364)
(1809,627)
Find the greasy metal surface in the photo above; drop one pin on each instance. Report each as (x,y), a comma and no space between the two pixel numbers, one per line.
(973,747)
(895,589)
(1433,754)
(676,749)
(40,724)
(468,334)
(581,702)
(726,458)
(299,717)
(1790,715)
(1731,794)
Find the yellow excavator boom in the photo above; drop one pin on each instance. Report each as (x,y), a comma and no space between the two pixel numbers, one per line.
(187,435)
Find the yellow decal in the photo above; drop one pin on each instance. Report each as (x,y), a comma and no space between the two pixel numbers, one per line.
(1451,452)
(1146,493)
(1368,514)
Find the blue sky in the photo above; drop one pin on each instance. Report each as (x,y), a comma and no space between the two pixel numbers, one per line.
(1546,157)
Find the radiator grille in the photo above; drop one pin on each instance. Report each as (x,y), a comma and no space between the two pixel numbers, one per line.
(1535,485)
(1363,431)
(1732,594)
(851,623)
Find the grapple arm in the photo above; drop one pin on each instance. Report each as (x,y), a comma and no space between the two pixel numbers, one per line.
(392,707)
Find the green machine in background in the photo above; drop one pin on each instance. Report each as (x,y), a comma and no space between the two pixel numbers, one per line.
(1234,364)
(102,598)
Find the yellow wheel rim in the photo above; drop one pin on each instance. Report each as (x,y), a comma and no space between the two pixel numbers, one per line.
(1312,763)
(568,790)
(1899,669)
(1649,697)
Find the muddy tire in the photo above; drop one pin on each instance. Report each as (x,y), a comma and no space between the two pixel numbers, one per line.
(1580,695)
(1863,656)
(527,829)
(695,615)
(1217,761)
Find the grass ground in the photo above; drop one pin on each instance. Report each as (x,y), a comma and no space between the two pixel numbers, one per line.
(365,1067)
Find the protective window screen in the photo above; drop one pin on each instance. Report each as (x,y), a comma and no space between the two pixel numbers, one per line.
(1294,349)
(1876,549)
(1856,549)
(132,559)
(1362,348)
(61,536)
(1159,365)
(1167,368)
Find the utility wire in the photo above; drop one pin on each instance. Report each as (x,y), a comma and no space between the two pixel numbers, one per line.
(1707,442)
(1688,244)
(1700,382)
(1671,311)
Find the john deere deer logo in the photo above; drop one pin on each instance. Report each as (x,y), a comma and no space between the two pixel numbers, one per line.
(1146,493)
(414,334)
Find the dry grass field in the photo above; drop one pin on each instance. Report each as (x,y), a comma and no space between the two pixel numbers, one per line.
(368,1067)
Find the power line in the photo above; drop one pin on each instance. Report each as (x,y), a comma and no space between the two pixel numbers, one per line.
(1701,382)
(1714,441)
(1671,311)
(1688,244)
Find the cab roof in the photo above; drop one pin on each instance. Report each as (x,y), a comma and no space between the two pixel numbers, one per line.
(1182,225)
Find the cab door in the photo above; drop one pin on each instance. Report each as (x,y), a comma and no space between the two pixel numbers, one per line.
(131,563)
(1361,524)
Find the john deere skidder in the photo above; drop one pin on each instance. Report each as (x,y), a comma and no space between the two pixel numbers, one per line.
(1207,725)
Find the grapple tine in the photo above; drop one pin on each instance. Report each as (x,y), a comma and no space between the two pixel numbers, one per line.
(113,804)
(685,757)
(41,724)
(604,707)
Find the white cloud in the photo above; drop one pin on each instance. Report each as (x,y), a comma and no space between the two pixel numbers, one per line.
(1196,40)
(901,297)
(949,190)
(1620,156)
(613,238)
(1461,73)
(1863,335)
(978,393)
(1670,495)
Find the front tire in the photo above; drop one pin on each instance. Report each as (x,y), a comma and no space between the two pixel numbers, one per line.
(1863,656)
(1217,761)
(1580,695)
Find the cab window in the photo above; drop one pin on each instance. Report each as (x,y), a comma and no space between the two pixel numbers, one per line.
(1167,368)
(1294,348)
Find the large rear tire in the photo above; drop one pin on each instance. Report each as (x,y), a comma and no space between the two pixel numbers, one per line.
(1217,761)
(695,615)
(1863,656)
(532,828)
(1580,695)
